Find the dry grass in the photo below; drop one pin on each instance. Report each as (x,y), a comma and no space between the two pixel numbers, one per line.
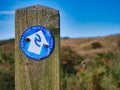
(83,45)
(87,69)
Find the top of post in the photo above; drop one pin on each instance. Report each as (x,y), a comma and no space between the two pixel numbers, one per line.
(38,7)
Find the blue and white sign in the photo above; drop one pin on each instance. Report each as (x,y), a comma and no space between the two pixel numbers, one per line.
(37,42)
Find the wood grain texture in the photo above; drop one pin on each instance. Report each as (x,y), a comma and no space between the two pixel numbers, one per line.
(31,74)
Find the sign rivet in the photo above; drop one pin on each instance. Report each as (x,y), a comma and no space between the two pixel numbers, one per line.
(27,39)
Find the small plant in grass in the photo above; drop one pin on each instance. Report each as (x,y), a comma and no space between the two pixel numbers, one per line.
(7,80)
(69,60)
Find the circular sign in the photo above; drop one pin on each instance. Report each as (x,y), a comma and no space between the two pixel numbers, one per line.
(37,42)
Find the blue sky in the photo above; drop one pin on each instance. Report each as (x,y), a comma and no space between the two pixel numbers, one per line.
(79,18)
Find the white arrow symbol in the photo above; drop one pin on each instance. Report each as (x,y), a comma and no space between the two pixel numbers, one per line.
(37,40)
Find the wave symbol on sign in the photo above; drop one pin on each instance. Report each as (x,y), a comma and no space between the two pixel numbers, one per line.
(37,40)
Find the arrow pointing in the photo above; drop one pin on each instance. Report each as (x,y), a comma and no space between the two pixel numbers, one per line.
(37,40)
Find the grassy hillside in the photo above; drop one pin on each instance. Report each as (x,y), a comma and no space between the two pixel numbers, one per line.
(86,63)
(7,74)
(91,63)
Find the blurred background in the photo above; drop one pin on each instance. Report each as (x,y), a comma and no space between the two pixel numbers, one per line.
(90,42)
(80,18)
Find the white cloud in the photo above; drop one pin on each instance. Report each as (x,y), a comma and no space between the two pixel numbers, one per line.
(7,12)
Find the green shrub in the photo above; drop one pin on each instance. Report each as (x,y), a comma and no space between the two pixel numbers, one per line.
(7,75)
(69,59)
(7,57)
(109,56)
(96,45)
(118,43)
(65,37)
(7,81)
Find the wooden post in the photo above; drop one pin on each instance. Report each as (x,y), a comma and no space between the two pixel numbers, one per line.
(31,74)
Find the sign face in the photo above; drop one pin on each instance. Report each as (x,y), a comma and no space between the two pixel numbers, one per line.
(37,42)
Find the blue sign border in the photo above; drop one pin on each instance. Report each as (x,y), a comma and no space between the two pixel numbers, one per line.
(46,51)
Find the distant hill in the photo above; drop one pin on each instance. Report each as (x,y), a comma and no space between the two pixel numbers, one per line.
(7,44)
(82,46)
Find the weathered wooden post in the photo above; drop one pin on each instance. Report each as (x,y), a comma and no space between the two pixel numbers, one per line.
(31,74)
